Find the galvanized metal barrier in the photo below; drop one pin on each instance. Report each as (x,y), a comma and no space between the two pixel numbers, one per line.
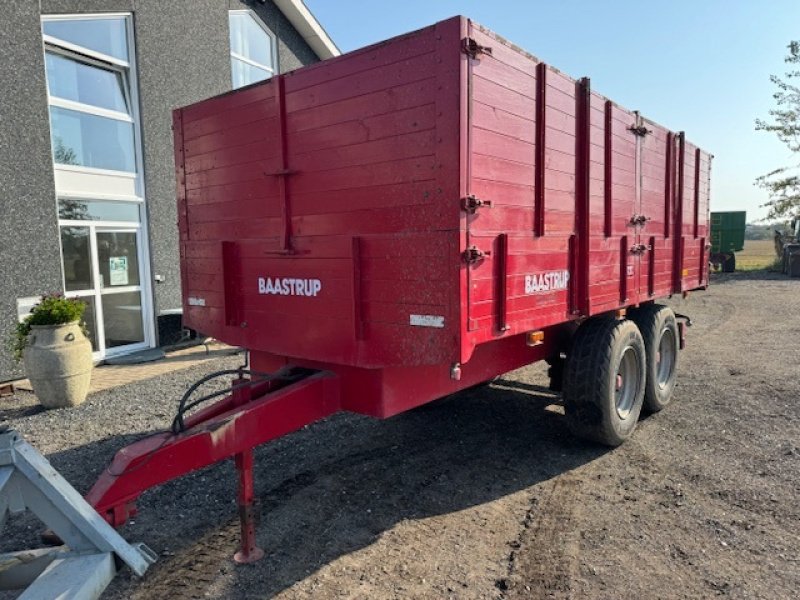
(85,565)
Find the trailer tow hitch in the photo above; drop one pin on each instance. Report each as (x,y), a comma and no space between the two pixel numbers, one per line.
(258,408)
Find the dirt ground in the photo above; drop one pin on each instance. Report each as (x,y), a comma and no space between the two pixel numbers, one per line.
(485,494)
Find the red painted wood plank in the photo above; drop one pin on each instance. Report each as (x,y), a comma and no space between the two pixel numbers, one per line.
(375,197)
(364,82)
(491,94)
(232,137)
(263,92)
(490,118)
(507,77)
(235,192)
(249,113)
(360,130)
(382,102)
(224,157)
(396,147)
(384,173)
(380,56)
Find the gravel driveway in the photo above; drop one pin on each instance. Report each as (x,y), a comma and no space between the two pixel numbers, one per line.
(485,494)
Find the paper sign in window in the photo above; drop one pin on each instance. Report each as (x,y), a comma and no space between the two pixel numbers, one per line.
(118,268)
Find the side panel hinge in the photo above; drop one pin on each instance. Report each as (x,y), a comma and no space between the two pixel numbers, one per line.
(471,47)
(638,220)
(472,203)
(473,254)
(639,130)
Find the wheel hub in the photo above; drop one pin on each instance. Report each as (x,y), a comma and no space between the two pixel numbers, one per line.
(665,358)
(627,382)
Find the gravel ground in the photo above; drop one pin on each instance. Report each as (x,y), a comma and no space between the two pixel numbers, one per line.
(485,494)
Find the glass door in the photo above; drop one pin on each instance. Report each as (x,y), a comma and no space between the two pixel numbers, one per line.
(103,267)
(120,291)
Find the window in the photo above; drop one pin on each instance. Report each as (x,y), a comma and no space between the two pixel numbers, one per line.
(82,139)
(108,36)
(252,49)
(91,117)
(91,85)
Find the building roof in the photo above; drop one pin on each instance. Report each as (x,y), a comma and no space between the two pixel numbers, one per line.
(307,26)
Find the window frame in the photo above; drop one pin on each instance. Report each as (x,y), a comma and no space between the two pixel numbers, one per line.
(271,70)
(130,89)
(94,61)
(106,184)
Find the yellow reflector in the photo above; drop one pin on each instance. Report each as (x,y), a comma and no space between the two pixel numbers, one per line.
(686,272)
(534,338)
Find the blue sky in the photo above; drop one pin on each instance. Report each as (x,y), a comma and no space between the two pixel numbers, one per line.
(701,66)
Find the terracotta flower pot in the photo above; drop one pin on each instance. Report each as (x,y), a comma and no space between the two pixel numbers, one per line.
(58,361)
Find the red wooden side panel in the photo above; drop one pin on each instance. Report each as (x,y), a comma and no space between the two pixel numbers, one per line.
(584,197)
(505,168)
(656,207)
(614,272)
(694,228)
(322,204)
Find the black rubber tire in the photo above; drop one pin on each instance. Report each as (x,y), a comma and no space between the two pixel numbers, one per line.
(590,380)
(653,320)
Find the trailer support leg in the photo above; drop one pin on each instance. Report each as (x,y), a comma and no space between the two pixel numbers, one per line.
(249,551)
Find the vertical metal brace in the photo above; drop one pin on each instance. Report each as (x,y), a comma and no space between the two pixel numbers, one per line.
(669,183)
(695,228)
(623,268)
(539,150)
(358,318)
(678,243)
(283,172)
(703,260)
(502,281)
(583,97)
(651,267)
(573,268)
(608,198)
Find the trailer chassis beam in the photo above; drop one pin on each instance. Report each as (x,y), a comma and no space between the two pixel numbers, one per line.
(230,428)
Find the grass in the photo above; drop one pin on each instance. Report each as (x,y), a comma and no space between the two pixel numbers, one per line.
(757,255)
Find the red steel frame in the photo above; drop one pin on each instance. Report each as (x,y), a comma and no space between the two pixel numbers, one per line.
(428,184)
(231,428)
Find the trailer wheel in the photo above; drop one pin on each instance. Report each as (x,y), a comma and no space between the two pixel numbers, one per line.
(604,380)
(661,342)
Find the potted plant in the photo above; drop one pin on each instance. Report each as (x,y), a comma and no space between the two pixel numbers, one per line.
(57,355)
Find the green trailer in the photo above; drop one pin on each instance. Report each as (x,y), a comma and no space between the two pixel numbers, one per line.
(727,238)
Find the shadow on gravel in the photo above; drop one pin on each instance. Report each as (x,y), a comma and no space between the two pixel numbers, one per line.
(336,486)
(12,413)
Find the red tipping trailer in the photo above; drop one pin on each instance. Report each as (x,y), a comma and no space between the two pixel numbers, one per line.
(390,226)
